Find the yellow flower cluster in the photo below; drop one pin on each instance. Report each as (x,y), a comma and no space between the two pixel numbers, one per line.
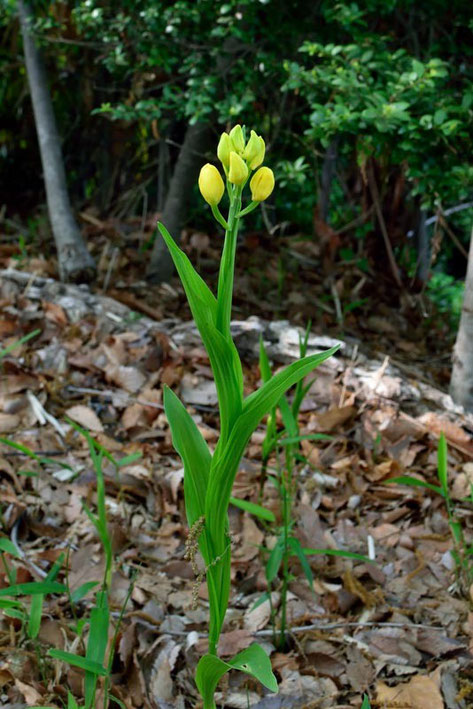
(238,160)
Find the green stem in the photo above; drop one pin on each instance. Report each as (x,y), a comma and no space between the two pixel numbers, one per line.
(285,568)
(248,209)
(219,216)
(227,265)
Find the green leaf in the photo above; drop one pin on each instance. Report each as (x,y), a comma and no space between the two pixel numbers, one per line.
(8,547)
(253,509)
(14,613)
(298,551)
(94,446)
(223,355)
(34,617)
(415,482)
(31,454)
(83,590)
(196,457)
(36,608)
(307,437)
(96,645)
(194,452)
(253,661)
(71,702)
(129,458)
(290,424)
(275,560)
(32,588)
(442,456)
(366,702)
(78,661)
(457,532)
(270,438)
(224,466)
(339,552)
(21,341)
(261,401)
(7,603)
(20,447)
(266,596)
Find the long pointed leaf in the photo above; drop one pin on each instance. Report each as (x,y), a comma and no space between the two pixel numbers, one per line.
(298,551)
(196,457)
(253,509)
(8,547)
(96,645)
(415,482)
(225,465)
(194,452)
(223,355)
(31,588)
(78,661)
(275,560)
(226,460)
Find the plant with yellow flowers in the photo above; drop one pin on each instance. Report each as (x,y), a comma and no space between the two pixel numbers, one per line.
(209,477)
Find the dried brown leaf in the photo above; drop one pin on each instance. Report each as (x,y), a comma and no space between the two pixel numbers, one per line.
(86,417)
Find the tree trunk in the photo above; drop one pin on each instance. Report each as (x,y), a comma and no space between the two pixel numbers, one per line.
(461,383)
(75,262)
(197,140)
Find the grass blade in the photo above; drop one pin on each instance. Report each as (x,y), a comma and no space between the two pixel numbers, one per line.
(78,661)
(32,588)
(415,482)
(253,509)
(21,341)
(8,547)
(275,560)
(339,552)
(299,552)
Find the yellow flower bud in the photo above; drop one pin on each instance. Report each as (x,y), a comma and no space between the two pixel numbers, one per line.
(223,150)
(238,172)
(211,184)
(254,151)
(238,141)
(262,184)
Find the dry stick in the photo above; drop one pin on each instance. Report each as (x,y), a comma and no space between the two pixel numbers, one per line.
(110,269)
(375,195)
(454,238)
(316,626)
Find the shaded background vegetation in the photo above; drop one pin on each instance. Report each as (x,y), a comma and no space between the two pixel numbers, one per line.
(366,107)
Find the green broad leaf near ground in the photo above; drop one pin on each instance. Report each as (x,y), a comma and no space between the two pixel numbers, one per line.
(253,661)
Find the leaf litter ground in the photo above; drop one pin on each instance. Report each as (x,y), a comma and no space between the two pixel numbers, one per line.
(395,629)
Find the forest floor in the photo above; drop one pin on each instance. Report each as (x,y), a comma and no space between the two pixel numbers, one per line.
(398,629)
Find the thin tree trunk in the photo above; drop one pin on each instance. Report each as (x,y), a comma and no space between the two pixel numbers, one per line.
(196,142)
(75,262)
(461,383)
